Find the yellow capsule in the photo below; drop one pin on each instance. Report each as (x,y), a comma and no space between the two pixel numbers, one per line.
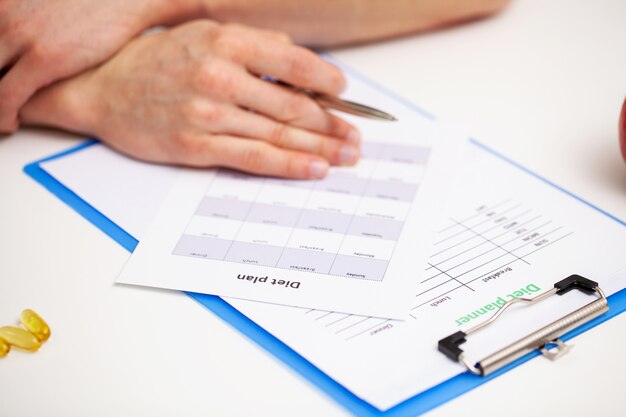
(35,324)
(20,338)
(5,347)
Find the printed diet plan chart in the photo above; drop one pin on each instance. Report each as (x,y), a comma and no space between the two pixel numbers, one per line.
(344,243)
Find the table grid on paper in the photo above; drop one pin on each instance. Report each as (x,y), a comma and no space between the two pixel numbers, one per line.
(346,224)
(468,254)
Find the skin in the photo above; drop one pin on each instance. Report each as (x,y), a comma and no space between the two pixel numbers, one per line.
(43,41)
(326,23)
(182,97)
(66,65)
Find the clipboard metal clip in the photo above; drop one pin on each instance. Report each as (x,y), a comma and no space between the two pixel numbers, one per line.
(560,349)
(546,339)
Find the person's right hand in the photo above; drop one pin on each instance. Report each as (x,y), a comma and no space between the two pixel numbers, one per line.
(192,95)
(42,41)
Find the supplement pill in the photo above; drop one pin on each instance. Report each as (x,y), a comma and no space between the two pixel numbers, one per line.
(5,347)
(36,325)
(19,338)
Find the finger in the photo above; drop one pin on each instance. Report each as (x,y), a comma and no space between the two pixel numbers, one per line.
(295,65)
(292,108)
(231,84)
(16,87)
(278,36)
(8,113)
(255,157)
(7,54)
(241,123)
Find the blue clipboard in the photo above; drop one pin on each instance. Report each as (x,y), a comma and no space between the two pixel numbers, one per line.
(415,405)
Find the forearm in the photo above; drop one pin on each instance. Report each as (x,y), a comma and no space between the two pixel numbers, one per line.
(171,12)
(337,22)
(70,104)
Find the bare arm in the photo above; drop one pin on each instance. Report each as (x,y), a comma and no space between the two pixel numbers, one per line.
(338,22)
(181,96)
(43,41)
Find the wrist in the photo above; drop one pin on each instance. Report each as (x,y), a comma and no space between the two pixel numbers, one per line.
(66,105)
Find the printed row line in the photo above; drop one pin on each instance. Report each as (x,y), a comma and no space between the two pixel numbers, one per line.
(395,190)
(316,200)
(287,258)
(323,221)
(295,238)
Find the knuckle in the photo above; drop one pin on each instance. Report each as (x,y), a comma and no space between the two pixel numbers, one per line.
(227,85)
(225,42)
(299,67)
(219,38)
(283,37)
(39,52)
(337,80)
(336,126)
(320,145)
(253,158)
(211,114)
(293,167)
(205,76)
(201,110)
(217,80)
(298,106)
(280,36)
(188,149)
(185,146)
(191,110)
(279,135)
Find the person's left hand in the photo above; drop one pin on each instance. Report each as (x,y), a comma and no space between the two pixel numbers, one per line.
(43,41)
(192,96)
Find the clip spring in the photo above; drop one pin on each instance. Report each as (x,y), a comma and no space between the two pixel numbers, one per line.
(545,339)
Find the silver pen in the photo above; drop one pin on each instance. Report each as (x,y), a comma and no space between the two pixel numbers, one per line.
(332,102)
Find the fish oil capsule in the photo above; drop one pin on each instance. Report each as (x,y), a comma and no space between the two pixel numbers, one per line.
(20,338)
(5,347)
(35,324)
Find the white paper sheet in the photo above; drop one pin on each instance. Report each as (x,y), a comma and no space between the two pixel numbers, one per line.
(505,231)
(343,243)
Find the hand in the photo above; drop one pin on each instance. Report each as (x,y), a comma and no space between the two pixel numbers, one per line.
(42,41)
(192,96)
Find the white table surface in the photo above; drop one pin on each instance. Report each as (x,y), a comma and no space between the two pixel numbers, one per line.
(542,82)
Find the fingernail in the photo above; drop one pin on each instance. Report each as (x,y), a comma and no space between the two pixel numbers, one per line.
(318,169)
(354,136)
(348,154)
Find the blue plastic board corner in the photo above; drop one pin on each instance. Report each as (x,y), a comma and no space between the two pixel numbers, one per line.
(414,406)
